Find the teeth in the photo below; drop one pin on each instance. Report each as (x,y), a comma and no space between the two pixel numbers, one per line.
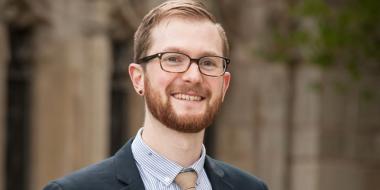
(187,97)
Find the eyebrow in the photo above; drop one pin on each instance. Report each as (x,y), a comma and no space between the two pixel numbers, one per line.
(180,50)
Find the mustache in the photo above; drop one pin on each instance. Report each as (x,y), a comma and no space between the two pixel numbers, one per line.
(193,88)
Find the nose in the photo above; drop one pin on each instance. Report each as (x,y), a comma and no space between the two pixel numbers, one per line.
(193,74)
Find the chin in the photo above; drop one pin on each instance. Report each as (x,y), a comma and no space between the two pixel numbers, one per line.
(190,115)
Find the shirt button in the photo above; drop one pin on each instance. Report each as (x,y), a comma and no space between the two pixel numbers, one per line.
(150,154)
(167,179)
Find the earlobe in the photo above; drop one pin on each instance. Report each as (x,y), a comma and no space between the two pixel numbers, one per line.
(136,73)
(226,83)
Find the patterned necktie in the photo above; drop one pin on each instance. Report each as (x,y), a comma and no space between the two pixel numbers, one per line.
(186,179)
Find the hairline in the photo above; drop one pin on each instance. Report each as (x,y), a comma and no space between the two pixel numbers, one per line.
(167,21)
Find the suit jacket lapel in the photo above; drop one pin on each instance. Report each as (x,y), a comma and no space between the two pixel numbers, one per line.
(216,175)
(126,169)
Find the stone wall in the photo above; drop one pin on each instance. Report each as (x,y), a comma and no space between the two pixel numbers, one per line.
(70,90)
(349,130)
(252,128)
(296,126)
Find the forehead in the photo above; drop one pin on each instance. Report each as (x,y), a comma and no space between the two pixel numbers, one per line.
(191,36)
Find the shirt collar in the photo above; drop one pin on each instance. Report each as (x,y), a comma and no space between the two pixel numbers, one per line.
(159,166)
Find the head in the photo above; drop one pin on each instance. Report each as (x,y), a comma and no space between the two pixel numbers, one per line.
(184,101)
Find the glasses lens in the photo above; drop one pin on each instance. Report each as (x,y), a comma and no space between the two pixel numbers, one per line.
(174,62)
(213,66)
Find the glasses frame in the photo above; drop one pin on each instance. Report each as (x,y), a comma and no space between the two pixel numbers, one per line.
(159,55)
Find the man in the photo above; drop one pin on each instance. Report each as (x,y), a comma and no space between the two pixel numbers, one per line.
(180,68)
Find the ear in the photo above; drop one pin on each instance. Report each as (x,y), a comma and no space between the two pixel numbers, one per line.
(226,83)
(136,73)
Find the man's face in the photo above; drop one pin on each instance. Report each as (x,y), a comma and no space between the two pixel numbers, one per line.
(186,102)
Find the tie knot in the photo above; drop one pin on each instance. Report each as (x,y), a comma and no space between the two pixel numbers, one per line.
(186,179)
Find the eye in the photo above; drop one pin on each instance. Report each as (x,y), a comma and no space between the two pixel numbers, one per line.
(172,58)
(209,62)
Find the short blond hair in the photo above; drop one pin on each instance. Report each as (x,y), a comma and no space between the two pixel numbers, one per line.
(184,8)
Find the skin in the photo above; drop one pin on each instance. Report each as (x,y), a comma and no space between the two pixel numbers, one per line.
(195,38)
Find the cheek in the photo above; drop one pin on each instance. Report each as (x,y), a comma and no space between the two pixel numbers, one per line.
(216,88)
(160,85)
(157,79)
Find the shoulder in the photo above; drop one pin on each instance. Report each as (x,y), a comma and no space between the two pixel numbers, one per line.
(97,176)
(112,173)
(238,178)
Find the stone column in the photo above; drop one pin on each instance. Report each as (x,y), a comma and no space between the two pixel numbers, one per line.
(306,138)
(70,90)
(3,79)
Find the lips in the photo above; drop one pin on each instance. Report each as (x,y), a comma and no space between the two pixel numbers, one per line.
(187,97)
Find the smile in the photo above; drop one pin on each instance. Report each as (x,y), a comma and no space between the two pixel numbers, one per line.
(187,97)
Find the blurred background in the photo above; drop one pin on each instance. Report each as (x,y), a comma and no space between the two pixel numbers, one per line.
(302,112)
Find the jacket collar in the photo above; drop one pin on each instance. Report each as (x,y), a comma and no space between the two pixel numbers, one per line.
(126,169)
(216,175)
(128,173)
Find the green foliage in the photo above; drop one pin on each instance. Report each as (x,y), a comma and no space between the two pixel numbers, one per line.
(346,32)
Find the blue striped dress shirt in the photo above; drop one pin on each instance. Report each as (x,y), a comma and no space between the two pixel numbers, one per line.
(158,173)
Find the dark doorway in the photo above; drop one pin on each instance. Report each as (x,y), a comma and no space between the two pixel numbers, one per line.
(18,107)
(119,95)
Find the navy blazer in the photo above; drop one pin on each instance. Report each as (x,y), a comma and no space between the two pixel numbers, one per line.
(120,172)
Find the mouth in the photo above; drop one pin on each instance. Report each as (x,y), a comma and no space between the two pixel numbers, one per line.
(188,97)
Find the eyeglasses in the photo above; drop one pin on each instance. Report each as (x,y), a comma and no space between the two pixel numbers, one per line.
(175,62)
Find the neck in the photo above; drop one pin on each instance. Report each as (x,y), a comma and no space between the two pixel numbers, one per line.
(182,148)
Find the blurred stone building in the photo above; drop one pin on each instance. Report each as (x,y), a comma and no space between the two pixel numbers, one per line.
(66,100)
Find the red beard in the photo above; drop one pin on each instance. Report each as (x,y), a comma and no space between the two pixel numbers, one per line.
(165,113)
